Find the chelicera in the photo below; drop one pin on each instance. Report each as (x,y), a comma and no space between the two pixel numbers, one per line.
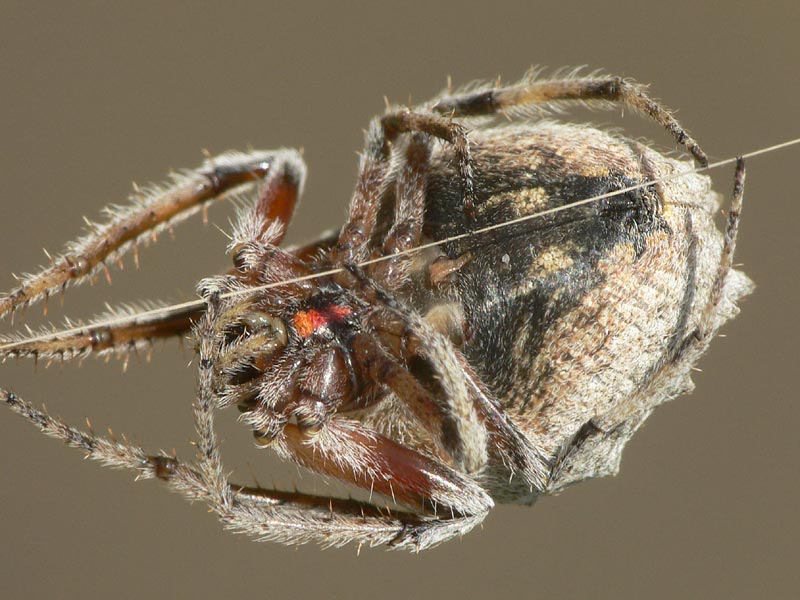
(578,282)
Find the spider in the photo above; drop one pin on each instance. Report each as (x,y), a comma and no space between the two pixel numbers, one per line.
(505,305)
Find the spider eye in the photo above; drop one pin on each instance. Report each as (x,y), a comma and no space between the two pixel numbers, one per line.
(240,259)
(252,342)
(258,328)
(266,325)
(247,256)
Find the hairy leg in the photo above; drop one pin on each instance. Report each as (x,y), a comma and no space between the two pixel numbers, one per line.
(267,514)
(397,122)
(151,212)
(281,175)
(292,517)
(706,325)
(355,244)
(118,332)
(474,420)
(591,90)
(346,450)
(406,231)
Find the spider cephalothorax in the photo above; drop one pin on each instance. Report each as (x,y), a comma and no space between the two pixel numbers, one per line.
(504,307)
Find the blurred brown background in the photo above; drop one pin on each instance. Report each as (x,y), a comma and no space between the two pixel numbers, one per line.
(96,95)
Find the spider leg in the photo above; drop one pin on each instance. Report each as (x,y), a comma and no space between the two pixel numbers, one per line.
(401,121)
(516,450)
(267,514)
(352,453)
(709,318)
(478,420)
(355,242)
(708,321)
(346,450)
(120,331)
(475,420)
(406,231)
(453,424)
(591,90)
(161,208)
(706,326)
(116,333)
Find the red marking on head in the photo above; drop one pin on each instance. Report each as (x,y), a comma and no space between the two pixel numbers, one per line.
(307,322)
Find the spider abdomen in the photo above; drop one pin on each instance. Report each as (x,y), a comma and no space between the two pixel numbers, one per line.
(580,316)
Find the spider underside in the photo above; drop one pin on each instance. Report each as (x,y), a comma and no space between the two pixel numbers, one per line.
(491,368)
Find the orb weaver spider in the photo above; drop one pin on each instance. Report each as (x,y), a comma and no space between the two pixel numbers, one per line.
(503,308)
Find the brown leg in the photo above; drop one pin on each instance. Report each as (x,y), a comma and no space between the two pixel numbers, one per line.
(354,244)
(592,90)
(279,190)
(267,514)
(448,429)
(705,327)
(152,212)
(475,418)
(355,240)
(116,333)
(398,122)
(346,450)
(120,331)
(406,231)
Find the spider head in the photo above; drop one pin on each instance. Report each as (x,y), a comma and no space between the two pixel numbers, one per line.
(281,360)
